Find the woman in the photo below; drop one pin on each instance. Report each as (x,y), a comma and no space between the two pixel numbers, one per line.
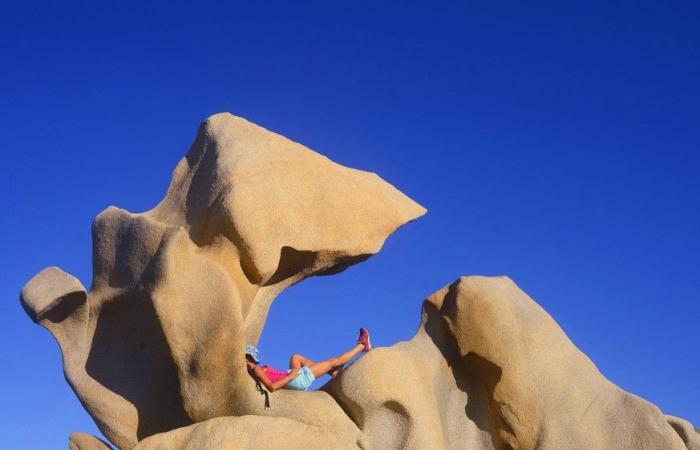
(302,371)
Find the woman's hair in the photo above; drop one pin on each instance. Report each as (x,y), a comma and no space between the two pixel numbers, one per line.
(250,358)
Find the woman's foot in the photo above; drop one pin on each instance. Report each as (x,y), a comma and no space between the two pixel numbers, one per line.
(364,340)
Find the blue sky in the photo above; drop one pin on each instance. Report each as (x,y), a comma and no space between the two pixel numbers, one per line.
(555,143)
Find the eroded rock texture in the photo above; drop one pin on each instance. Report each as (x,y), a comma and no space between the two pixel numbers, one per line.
(489,368)
(178,291)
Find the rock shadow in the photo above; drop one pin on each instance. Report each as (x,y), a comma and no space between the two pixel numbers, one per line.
(64,307)
(293,262)
(130,356)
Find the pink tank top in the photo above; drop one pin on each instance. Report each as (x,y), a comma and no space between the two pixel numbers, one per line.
(274,374)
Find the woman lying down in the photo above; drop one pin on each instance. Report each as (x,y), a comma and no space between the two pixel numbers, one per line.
(302,371)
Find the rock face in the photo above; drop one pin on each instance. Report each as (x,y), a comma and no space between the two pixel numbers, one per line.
(489,368)
(84,441)
(179,290)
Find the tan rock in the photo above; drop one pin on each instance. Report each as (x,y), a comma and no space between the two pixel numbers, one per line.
(248,433)
(50,292)
(689,434)
(84,441)
(489,368)
(154,350)
(177,292)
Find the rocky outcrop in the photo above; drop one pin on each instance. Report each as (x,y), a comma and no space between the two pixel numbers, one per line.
(154,350)
(489,368)
(177,291)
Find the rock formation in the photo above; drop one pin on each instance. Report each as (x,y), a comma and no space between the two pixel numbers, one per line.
(177,291)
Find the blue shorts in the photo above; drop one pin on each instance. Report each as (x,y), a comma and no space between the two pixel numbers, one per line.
(302,381)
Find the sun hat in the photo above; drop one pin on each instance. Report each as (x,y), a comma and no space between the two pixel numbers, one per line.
(253,352)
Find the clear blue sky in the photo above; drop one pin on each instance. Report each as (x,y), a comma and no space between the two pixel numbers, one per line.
(557,144)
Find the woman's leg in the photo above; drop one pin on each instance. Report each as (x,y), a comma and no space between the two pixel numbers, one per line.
(297,361)
(323,367)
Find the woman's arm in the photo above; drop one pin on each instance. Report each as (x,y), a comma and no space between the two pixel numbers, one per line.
(279,384)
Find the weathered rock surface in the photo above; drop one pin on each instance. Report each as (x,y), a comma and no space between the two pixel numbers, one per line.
(84,441)
(177,291)
(489,368)
(249,433)
(151,348)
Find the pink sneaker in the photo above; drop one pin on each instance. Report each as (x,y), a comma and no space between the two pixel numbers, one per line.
(364,339)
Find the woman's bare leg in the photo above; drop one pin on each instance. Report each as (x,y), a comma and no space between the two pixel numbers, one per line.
(297,361)
(323,367)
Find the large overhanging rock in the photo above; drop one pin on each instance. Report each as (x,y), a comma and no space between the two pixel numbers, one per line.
(154,350)
(157,343)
